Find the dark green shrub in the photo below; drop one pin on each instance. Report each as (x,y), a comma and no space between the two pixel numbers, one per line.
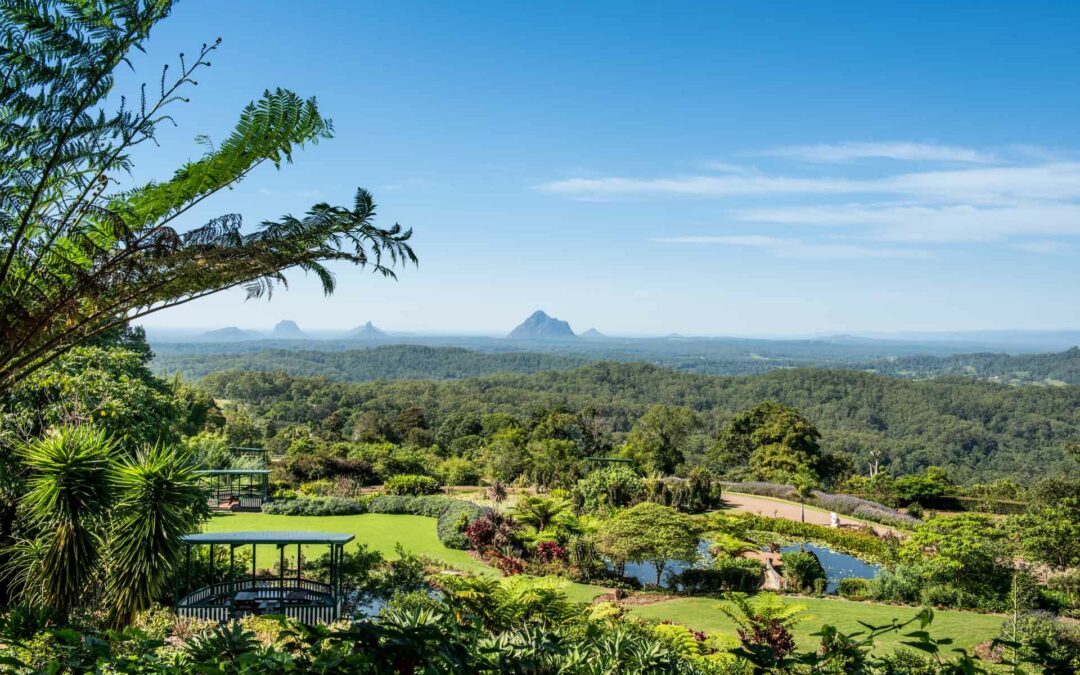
(801,570)
(907,662)
(307,468)
(854,588)
(727,574)
(314,506)
(943,595)
(610,488)
(865,545)
(899,583)
(411,484)
(1044,639)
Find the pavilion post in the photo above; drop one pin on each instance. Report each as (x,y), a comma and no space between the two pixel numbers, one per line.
(281,585)
(211,565)
(335,578)
(232,562)
(299,564)
(253,567)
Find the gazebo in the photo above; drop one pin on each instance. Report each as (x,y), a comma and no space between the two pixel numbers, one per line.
(223,594)
(237,489)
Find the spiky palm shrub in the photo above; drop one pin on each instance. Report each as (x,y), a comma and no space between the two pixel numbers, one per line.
(159,500)
(69,492)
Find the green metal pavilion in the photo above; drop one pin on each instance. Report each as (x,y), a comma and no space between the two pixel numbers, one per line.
(237,489)
(229,593)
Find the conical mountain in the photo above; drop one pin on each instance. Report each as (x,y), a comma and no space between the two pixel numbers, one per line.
(229,334)
(593,334)
(367,332)
(540,326)
(287,330)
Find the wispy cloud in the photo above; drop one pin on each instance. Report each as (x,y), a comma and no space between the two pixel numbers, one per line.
(1043,247)
(920,223)
(1015,202)
(991,185)
(835,153)
(796,248)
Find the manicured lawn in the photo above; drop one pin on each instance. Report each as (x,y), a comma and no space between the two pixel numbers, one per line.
(965,628)
(379,531)
(382,532)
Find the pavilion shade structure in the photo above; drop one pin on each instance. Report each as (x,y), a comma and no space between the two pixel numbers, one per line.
(236,489)
(214,585)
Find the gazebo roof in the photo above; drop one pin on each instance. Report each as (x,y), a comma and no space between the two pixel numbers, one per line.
(234,472)
(268,537)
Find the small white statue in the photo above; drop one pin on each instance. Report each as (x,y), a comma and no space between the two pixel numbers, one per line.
(834,520)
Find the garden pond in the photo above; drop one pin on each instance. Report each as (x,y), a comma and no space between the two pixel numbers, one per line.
(837,565)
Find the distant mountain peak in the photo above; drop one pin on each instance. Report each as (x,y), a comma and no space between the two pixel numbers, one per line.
(229,334)
(540,326)
(287,329)
(592,334)
(368,330)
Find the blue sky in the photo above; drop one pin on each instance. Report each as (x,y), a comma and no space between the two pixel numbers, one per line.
(725,169)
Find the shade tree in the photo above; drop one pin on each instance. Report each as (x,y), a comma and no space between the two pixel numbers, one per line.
(772,440)
(657,440)
(649,532)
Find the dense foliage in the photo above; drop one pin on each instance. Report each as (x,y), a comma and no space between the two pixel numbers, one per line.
(101,529)
(975,430)
(434,358)
(411,484)
(742,575)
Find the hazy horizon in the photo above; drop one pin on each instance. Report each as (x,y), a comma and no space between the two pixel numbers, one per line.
(392,331)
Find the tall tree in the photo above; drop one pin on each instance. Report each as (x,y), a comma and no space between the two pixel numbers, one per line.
(657,440)
(78,254)
(776,441)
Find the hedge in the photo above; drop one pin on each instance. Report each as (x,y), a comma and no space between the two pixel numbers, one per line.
(452,515)
(862,544)
(411,484)
(727,574)
(314,506)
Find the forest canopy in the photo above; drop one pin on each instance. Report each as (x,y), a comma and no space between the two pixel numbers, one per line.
(976,430)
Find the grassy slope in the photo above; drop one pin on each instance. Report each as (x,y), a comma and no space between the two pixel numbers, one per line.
(379,531)
(417,534)
(965,628)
